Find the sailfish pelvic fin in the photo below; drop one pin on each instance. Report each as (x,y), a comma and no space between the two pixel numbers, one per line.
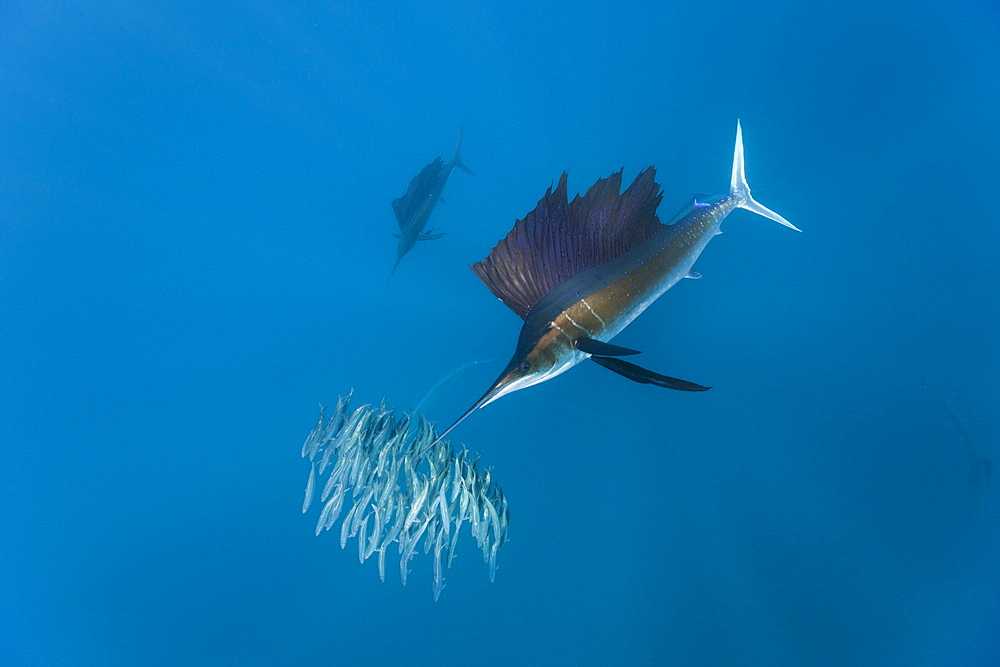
(740,189)
(645,376)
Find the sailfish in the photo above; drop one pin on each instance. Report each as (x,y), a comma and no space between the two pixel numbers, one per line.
(415,207)
(578,272)
(980,467)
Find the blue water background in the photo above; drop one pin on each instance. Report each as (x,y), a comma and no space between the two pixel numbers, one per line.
(194,242)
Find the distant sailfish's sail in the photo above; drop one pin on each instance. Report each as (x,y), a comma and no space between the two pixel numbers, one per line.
(560,239)
(390,487)
(420,188)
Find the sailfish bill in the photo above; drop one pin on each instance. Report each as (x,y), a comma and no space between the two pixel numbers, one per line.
(578,272)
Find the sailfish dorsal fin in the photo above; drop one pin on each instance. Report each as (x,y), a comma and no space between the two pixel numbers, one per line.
(419,188)
(560,238)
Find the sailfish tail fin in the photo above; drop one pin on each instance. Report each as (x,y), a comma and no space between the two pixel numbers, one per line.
(457,159)
(739,188)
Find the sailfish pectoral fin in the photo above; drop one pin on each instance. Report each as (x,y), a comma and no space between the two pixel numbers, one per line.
(644,376)
(599,347)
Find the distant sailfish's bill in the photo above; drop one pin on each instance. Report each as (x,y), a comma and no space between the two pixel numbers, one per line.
(415,207)
(578,272)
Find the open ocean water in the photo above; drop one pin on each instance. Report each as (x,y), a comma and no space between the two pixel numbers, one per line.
(195,239)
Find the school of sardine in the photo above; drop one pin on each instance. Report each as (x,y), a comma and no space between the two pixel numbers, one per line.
(396,489)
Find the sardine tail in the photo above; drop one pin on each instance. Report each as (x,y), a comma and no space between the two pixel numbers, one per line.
(740,189)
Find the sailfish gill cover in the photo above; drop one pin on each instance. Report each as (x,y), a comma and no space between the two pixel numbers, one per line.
(561,238)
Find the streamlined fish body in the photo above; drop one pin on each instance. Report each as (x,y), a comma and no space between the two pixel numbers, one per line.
(599,303)
(980,467)
(578,272)
(413,209)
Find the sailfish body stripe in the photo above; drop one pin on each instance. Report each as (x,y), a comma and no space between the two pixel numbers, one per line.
(593,312)
(604,300)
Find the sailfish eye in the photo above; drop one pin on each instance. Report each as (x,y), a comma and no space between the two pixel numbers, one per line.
(525,366)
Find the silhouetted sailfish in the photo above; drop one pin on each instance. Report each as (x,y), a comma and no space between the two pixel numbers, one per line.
(578,272)
(980,467)
(414,208)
